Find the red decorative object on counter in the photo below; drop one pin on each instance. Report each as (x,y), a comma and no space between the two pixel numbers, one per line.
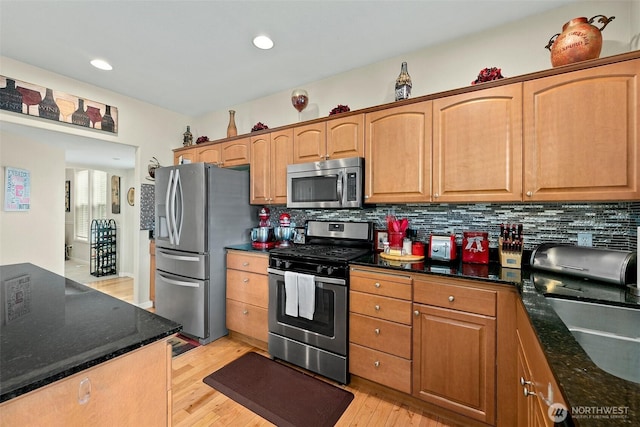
(475,247)
(202,139)
(340,109)
(488,74)
(259,126)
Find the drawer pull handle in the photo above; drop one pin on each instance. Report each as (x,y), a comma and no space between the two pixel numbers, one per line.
(377,307)
(245,264)
(245,312)
(451,298)
(84,391)
(245,280)
(377,285)
(377,331)
(376,363)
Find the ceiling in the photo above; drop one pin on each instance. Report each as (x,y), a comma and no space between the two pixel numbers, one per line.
(194,57)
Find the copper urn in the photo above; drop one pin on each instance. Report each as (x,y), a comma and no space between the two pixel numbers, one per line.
(579,41)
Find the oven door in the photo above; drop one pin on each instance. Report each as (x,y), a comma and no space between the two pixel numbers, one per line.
(327,330)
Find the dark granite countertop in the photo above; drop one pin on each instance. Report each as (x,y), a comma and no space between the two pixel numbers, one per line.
(247,248)
(52,327)
(584,385)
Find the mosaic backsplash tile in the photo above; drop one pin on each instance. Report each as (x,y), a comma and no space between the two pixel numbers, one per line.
(612,225)
(147,206)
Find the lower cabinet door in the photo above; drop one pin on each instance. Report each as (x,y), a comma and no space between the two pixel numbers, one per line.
(454,356)
(382,368)
(247,319)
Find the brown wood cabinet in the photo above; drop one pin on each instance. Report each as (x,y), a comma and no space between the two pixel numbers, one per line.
(380,327)
(132,389)
(185,156)
(477,146)
(454,348)
(537,386)
(248,294)
(332,139)
(224,154)
(398,154)
(582,134)
(270,155)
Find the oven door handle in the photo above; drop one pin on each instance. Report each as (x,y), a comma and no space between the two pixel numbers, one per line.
(329,280)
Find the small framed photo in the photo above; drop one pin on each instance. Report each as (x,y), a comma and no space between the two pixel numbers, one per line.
(380,237)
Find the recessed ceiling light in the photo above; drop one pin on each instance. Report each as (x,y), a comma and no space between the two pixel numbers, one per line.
(101,64)
(263,42)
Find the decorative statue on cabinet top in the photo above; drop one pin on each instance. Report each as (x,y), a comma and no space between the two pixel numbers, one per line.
(579,41)
(403,83)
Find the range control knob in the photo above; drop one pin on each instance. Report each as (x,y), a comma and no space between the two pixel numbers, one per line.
(287,265)
(329,270)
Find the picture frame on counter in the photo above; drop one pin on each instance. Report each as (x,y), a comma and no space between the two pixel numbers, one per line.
(379,237)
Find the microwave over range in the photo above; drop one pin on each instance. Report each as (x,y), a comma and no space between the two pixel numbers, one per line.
(332,184)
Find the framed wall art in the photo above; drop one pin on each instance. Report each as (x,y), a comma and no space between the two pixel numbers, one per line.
(67,196)
(46,103)
(17,189)
(380,236)
(115,194)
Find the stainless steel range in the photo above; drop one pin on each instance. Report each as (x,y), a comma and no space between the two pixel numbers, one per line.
(309,296)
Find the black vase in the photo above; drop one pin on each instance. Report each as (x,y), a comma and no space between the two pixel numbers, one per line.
(80,117)
(10,97)
(48,108)
(107,121)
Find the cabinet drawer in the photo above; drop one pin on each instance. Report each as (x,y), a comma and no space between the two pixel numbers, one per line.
(381,307)
(382,335)
(248,287)
(247,319)
(388,285)
(385,369)
(472,300)
(256,263)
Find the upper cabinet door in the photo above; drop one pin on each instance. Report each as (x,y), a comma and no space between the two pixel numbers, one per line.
(210,154)
(345,137)
(235,153)
(309,143)
(260,170)
(281,156)
(581,135)
(477,146)
(398,154)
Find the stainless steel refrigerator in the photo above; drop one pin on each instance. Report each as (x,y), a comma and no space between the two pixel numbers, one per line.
(200,209)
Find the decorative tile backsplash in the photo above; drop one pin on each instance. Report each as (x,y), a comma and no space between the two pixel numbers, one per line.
(613,225)
(147,206)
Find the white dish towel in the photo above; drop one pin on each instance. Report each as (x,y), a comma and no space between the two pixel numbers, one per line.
(306,295)
(291,293)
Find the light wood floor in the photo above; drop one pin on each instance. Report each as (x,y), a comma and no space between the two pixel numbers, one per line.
(197,404)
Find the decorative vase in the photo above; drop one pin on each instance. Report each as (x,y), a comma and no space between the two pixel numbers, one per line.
(48,108)
(231,129)
(10,97)
(187,137)
(94,115)
(80,117)
(403,83)
(579,41)
(108,124)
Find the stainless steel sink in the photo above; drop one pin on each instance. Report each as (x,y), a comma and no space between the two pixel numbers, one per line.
(609,334)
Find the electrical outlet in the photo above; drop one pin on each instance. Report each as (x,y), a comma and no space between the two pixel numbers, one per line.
(585,239)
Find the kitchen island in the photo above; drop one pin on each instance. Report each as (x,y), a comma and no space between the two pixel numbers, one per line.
(99,360)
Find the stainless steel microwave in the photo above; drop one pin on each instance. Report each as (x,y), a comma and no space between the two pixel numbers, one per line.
(332,184)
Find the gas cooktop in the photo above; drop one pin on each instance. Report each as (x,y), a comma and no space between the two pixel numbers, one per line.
(321,252)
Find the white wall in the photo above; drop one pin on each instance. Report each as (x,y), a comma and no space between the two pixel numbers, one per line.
(516,48)
(155,131)
(37,235)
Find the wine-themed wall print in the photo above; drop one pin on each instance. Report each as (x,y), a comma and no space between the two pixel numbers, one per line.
(38,101)
(17,191)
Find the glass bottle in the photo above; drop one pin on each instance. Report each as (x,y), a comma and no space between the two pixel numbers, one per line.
(10,97)
(231,129)
(48,108)
(80,117)
(108,124)
(403,83)
(187,137)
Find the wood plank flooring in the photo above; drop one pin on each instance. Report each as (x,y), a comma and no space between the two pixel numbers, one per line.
(197,404)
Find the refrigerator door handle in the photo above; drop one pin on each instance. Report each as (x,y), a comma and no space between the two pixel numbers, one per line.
(179,257)
(167,206)
(179,282)
(178,216)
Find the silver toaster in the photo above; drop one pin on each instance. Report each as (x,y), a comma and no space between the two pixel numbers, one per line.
(606,265)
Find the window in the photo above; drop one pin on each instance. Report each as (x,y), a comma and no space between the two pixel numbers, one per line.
(90,200)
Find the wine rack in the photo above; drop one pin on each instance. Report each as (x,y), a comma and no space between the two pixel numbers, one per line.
(103,247)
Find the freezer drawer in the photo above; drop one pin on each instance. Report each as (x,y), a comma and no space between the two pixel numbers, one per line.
(183,263)
(185,301)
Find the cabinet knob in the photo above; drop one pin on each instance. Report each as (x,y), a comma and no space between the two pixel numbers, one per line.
(377,331)
(245,312)
(524,382)
(529,193)
(528,393)
(245,280)
(376,363)
(416,313)
(377,307)
(245,264)
(377,285)
(451,298)
(436,195)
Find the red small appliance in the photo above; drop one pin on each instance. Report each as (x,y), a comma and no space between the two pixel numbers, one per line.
(443,248)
